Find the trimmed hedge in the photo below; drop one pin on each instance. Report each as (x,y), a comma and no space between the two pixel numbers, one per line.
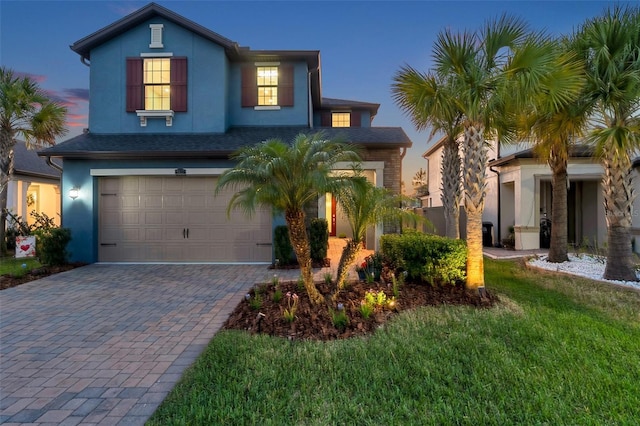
(283,248)
(51,245)
(425,257)
(319,239)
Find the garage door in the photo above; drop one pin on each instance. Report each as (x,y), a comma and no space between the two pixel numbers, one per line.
(177,219)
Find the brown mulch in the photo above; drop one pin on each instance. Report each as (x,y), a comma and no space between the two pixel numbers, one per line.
(8,281)
(316,323)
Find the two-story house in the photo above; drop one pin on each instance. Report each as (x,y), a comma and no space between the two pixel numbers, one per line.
(170,101)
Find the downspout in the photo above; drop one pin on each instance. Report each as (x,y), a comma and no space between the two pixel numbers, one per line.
(310,117)
(83,59)
(499,206)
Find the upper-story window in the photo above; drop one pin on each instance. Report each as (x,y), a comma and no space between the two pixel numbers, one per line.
(157,84)
(267,85)
(267,80)
(341,119)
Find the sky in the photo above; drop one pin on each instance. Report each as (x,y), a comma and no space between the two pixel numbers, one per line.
(362,44)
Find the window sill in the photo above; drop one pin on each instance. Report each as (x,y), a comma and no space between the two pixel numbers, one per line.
(144,114)
(266,108)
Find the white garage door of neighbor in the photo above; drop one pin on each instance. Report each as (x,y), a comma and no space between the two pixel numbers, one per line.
(177,219)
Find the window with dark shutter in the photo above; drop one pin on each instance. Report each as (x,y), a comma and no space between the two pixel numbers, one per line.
(179,84)
(285,86)
(249,87)
(134,84)
(356,119)
(325,119)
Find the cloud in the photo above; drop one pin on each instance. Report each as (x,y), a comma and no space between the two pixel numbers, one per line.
(38,78)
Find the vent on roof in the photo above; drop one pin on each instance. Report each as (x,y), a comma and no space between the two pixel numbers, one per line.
(156,36)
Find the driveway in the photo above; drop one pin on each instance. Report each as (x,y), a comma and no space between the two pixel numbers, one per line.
(104,344)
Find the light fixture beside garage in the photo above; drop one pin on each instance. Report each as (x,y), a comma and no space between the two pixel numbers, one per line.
(74,192)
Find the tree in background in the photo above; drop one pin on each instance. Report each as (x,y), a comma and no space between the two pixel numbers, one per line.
(610,46)
(25,112)
(555,128)
(287,177)
(430,102)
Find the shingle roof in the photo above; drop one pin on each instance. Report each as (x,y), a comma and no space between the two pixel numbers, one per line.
(344,103)
(26,162)
(213,145)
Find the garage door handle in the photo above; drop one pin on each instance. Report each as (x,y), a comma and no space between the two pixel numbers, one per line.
(184,232)
(187,232)
(108,244)
(264,244)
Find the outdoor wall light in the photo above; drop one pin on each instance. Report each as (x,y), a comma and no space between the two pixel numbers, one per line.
(74,192)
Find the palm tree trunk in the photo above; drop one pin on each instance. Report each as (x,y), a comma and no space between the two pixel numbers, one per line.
(300,242)
(451,188)
(558,246)
(475,161)
(618,202)
(349,253)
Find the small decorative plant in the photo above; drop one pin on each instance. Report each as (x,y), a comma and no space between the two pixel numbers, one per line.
(339,318)
(328,278)
(256,301)
(365,309)
(289,312)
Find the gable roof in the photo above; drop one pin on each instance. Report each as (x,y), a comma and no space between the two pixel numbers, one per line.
(212,145)
(234,51)
(26,162)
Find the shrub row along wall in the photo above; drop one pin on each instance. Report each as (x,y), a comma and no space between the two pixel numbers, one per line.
(425,257)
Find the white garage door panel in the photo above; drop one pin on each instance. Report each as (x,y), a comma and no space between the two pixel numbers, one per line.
(177,218)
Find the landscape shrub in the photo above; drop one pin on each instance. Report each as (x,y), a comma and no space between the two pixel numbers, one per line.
(283,247)
(51,245)
(319,239)
(425,257)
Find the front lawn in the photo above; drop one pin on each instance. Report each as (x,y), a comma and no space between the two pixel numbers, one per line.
(556,350)
(17,267)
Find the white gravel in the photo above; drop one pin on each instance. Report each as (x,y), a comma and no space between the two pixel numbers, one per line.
(587,266)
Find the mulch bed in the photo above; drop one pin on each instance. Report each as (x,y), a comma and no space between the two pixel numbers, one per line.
(316,322)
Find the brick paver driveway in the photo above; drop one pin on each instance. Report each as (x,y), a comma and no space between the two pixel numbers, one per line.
(104,344)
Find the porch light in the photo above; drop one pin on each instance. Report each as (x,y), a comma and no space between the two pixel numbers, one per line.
(74,192)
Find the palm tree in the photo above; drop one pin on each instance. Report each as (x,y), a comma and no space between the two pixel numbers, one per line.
(287,178)
(555,128)
(494,69)
(420,183)
(365,205)
(25,112)
(430,102)
(610,46)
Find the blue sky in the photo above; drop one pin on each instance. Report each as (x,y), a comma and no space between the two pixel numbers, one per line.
(362,43)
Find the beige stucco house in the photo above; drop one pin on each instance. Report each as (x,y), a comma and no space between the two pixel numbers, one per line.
(519,196)
(34,186)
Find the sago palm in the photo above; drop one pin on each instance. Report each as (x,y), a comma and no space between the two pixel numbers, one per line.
(25,112)
(555,126)
(288,177)
(430,102)
(610,46)
(365,205)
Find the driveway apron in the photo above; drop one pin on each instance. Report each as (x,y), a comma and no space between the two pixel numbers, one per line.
(104,344)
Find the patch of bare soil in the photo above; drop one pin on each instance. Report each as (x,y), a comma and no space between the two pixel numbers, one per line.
(8,281)
(259,313)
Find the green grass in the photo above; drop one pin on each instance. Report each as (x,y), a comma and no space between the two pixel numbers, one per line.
(10,265)
(555,351)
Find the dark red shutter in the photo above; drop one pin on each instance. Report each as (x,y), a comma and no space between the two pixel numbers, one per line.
(249,87)
(135,98)
(285,85)
(325,119)
(356,117)
(179,84)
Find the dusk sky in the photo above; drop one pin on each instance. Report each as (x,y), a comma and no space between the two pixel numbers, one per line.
(362,43)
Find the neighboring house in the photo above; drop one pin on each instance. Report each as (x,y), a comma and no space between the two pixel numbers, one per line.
(34,185)
(519,196)
(170,101)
